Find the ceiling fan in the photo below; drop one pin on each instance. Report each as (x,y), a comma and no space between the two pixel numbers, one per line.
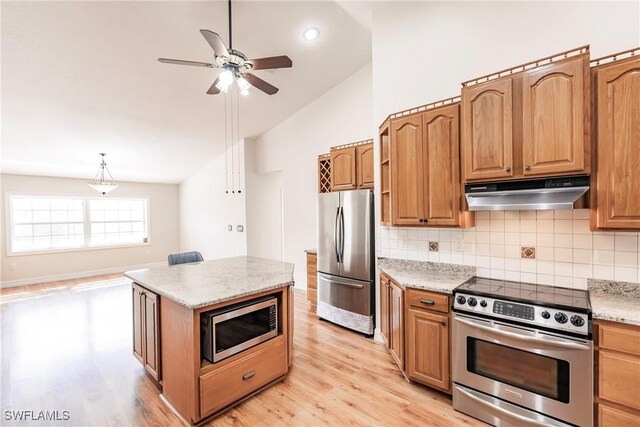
(235,65)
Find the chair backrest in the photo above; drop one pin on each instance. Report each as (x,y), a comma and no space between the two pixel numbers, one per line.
(185,257)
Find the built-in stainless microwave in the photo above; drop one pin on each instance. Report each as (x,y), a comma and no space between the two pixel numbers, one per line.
(230,330)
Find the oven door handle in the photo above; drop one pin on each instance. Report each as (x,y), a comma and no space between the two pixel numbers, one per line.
(521,420)
(542,339)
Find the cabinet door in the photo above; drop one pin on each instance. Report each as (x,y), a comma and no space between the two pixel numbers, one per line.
(428,348)
(384,309)
(396,323)
(364,155)
(440,168)
(407,190)
(151,334)
(312,278)
(612,417)
(618,145)
(555,118)
(487,134)
(619,378)
(138,322)
(343,169)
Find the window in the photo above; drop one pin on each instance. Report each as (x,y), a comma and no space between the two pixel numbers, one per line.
(40,223)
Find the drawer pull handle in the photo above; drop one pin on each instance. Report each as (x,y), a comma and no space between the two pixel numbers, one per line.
(427,301)
(248,375)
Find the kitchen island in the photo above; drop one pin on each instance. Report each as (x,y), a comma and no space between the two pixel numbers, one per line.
(169,305)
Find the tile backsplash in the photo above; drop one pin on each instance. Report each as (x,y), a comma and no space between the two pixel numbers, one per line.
(567,253)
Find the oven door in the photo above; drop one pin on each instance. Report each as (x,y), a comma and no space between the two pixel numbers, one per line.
(546,373)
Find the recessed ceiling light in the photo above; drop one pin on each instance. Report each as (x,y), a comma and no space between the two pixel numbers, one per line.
(311,33)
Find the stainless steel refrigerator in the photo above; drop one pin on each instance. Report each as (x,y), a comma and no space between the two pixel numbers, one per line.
(346,289)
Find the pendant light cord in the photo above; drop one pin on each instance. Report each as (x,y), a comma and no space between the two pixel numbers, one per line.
(230,42)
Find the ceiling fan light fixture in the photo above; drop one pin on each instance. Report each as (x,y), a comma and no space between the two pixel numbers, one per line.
(244,85)
(311,34)
(225,79)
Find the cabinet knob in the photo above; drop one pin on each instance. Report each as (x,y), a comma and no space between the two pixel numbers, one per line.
(443,323)
(527,167)
(421,220)
(508,169)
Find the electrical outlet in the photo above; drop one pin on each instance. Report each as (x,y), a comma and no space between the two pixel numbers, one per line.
(404,242)
(12,266)
(458,245)
(230,227)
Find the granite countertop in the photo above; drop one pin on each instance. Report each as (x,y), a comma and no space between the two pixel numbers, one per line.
(210,282)
(430,276)
(311,251)
(615,301)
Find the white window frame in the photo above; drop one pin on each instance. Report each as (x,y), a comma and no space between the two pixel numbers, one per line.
(8,212)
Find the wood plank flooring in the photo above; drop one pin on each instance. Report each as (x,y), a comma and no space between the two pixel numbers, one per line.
(69,349)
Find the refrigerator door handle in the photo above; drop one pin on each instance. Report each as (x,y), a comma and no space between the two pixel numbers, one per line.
(341,234)
(335,235)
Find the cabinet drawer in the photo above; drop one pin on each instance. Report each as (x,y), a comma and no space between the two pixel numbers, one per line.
(619,378)
(428,300)
(619,338)
(242,377)
(611,417)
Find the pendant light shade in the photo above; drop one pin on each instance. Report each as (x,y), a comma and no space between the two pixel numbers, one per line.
(103,182)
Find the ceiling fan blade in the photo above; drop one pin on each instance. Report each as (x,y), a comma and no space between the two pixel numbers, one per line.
(258,83)
(183,62)
(271,62)
(215,42)
(213,90)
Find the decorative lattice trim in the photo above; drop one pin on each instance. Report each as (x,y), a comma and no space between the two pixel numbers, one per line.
(425,107)
(353,144)
(324,174)
(615,57)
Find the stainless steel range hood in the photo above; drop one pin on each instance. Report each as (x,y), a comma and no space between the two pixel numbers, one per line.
(538,194)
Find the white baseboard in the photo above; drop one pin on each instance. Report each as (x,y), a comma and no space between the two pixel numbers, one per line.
(76,275)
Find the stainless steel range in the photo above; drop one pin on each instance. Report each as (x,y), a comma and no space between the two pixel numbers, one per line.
(522,354)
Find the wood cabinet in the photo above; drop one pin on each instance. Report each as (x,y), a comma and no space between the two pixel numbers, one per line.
(528,123)
(487,130)
(384,308)
(396,323)
(312,279)
(427,337)
(425,169)
(343,169)
(385,175)
(616,179)
(617,374)
(364,165)
(146,332)
(555,118)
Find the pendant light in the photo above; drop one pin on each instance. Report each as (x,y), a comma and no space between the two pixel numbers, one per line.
(101,183)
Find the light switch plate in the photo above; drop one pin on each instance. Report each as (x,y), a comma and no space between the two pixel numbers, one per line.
(240,228)
(230,227)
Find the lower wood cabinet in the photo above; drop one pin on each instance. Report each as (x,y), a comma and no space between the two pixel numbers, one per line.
(312,279)
(146,329)
(415,326)
(618,374)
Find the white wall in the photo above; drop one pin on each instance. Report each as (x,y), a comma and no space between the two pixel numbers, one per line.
(206,210)
(446,43)
(341,115)
(34,268)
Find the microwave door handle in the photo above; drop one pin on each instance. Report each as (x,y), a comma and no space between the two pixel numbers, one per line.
(523,421)
(550,341)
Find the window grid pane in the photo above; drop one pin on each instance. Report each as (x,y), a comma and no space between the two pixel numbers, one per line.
(42,223)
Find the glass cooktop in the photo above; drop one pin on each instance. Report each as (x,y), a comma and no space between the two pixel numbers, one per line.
(542,295)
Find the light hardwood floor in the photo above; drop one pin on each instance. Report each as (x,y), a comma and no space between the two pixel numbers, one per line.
(70,350)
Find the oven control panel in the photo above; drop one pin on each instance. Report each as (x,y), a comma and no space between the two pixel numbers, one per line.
(561,320)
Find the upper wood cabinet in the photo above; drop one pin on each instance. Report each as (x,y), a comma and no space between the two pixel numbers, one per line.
(425,168)
(364,165)
(555,119)
(528,123)
(617,171)
(487,134)
(343,169)
(407,183)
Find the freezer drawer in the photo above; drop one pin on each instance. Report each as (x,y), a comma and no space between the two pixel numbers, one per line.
(346,302)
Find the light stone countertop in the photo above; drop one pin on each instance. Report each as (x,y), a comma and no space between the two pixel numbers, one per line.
(205,283)
(430,276)
(615,301)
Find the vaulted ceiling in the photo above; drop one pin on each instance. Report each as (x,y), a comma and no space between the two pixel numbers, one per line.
(80,78)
